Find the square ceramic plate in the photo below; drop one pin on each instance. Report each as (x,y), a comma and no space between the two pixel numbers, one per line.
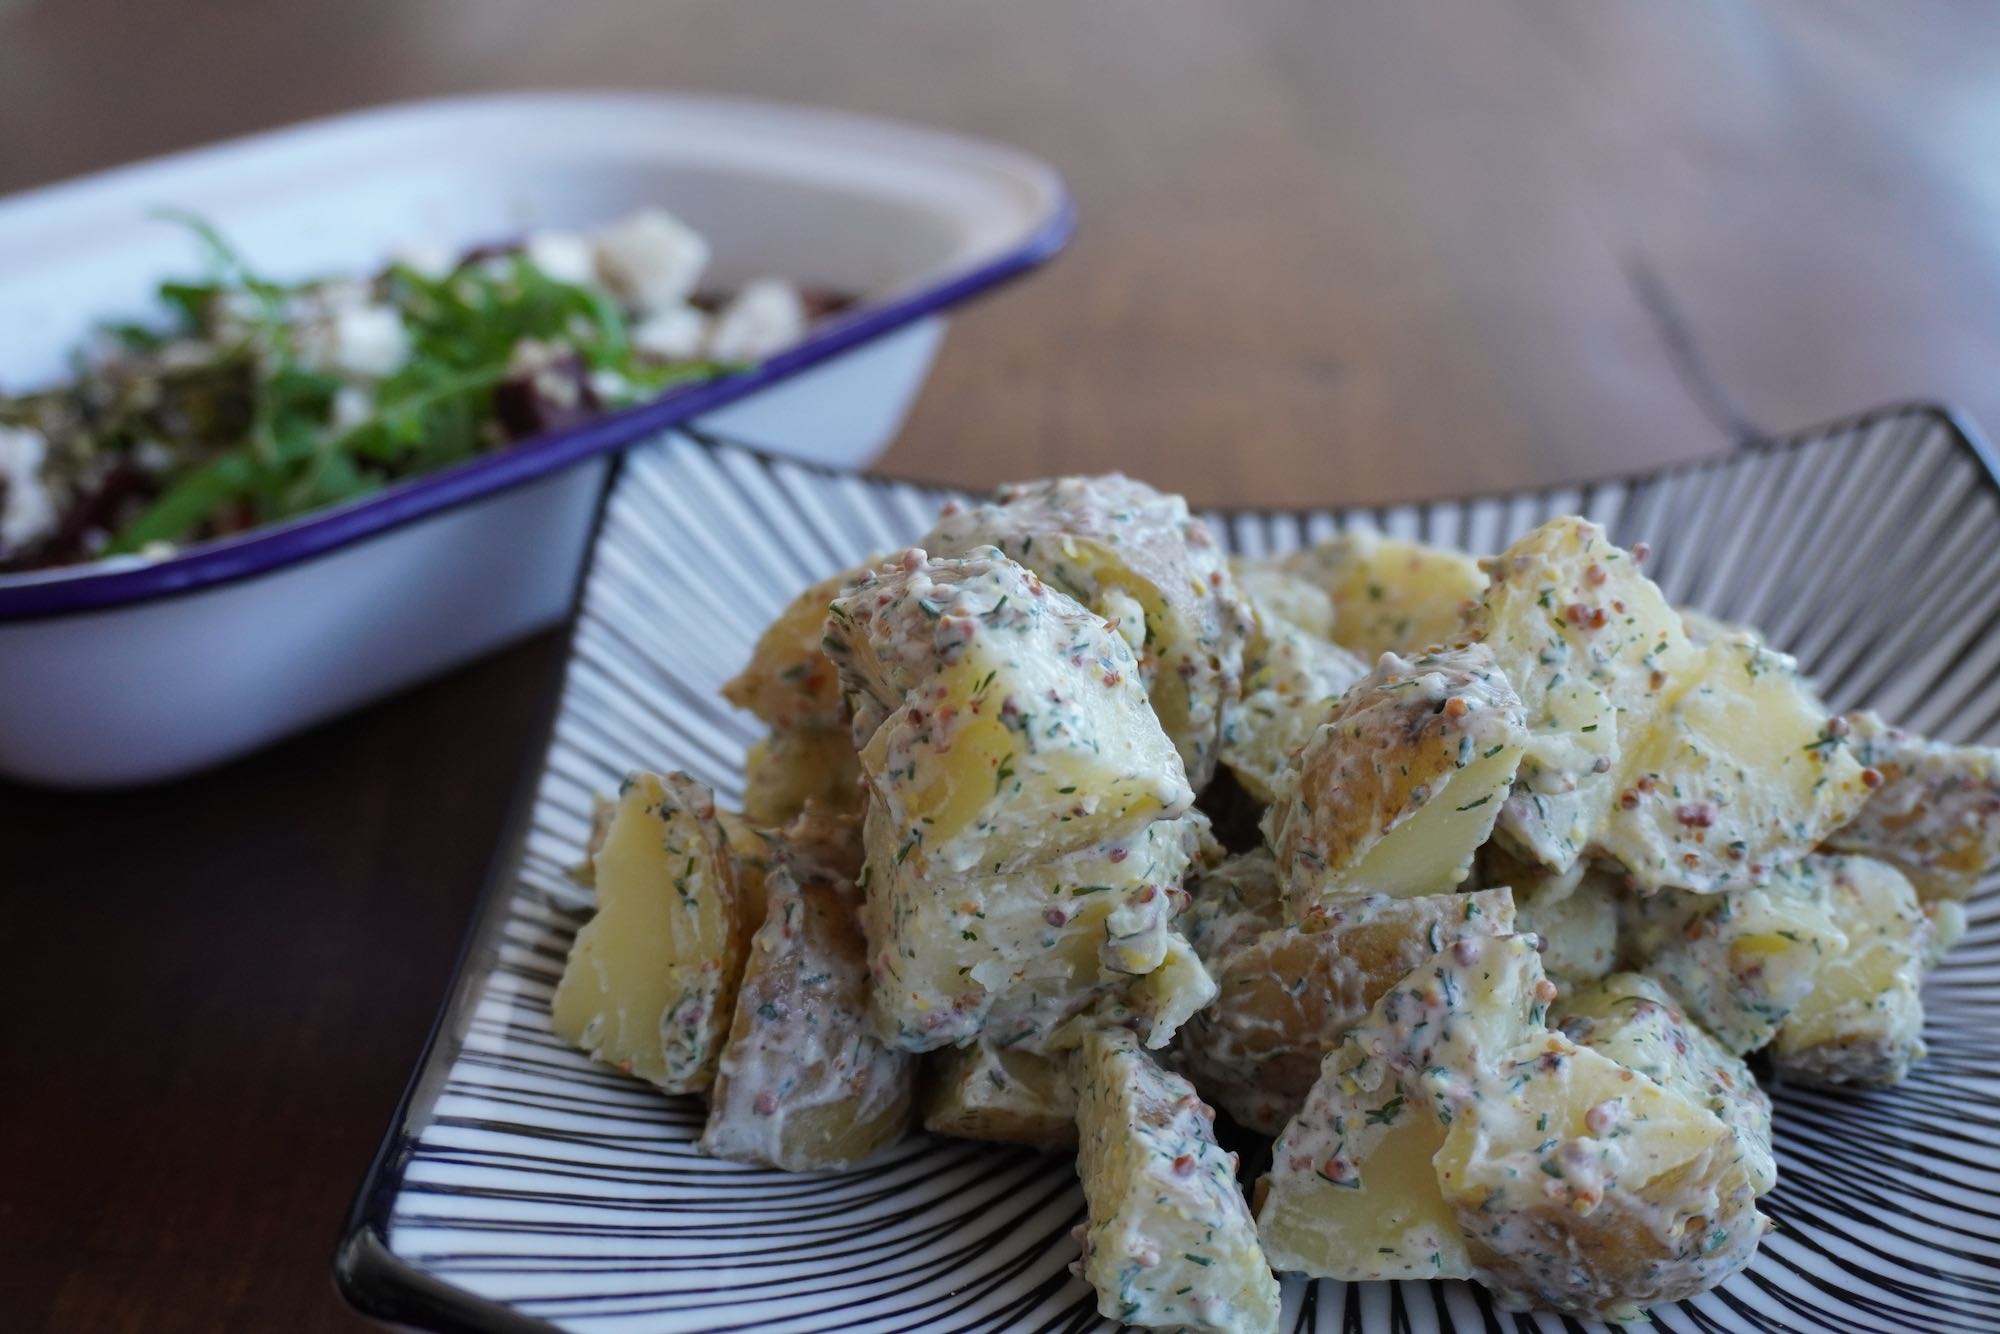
(523,1188)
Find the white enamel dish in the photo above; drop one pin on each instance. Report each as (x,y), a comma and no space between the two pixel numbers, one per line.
(522,1188)
(126,671)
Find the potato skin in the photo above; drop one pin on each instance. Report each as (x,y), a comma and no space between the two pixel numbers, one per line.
(1001,1094)
(787,769)
(1287,996)
(788,682)
(1400,786)
(802,1084)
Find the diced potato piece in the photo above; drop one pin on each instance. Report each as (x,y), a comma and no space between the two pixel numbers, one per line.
(788,681)
(1574,912)
(1291,679)
(1632,1019)
(1287,996)
(1352,1194)
(1170,1243)
(1390,595)
(1863,1021)
(1003,1094)
(1276,591)
(1013,954)
(1742,773)
(1562,1178)
(1397,790)
(802,1084)
(1739,962)
(1934,814)
(788,769)
(1383,1216)
(1591,647)
(651,980)
(1000,723)
(1582,1186)
(1135,556)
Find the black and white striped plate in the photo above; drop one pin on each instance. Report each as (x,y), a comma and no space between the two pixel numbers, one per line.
(524,1188)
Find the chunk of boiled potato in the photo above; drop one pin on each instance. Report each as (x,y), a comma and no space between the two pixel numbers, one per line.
(1400,786)
(1739,962)
(1390,595)
(1013,954)
(1863,1021)
(788,682)
(1286,997)
(1000,724)
(1591,647)
(1741,773)
(1632,1019)
(1584,1187)
(1276,592)
(1934,812)
(1133,555)
(1383,1216)
(787,769)
(651,979)
(1169,1243)
(1558,1177)
(1352,1193)
(1292,677)
(802,1083)
(1004,1094)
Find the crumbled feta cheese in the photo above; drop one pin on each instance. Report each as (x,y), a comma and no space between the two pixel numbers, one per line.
(675,333)
(352,405)
(651,260)
(610,386)
(767,316)
(563,256)
(158,551)
(427,261)
(367,341)
(27,511)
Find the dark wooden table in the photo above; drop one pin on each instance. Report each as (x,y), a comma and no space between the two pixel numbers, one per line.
(1329,252)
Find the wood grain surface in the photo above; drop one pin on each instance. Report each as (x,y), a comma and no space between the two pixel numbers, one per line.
(1329,252)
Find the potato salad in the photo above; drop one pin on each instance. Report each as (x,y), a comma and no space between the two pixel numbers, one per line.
(1372,911)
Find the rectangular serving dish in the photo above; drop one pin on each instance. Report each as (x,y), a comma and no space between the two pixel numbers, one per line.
(520,1187)
(127,670)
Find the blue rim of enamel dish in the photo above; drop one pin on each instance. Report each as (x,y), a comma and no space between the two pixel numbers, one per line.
(260,551)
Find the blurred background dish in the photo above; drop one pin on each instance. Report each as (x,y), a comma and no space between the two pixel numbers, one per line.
(144,665)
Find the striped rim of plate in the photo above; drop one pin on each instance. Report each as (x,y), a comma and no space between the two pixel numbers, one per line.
(523,1187)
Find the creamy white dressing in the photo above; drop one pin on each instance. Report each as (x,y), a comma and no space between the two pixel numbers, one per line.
(1120,547)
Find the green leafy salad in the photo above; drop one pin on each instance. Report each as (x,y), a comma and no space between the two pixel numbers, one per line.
(256,401)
